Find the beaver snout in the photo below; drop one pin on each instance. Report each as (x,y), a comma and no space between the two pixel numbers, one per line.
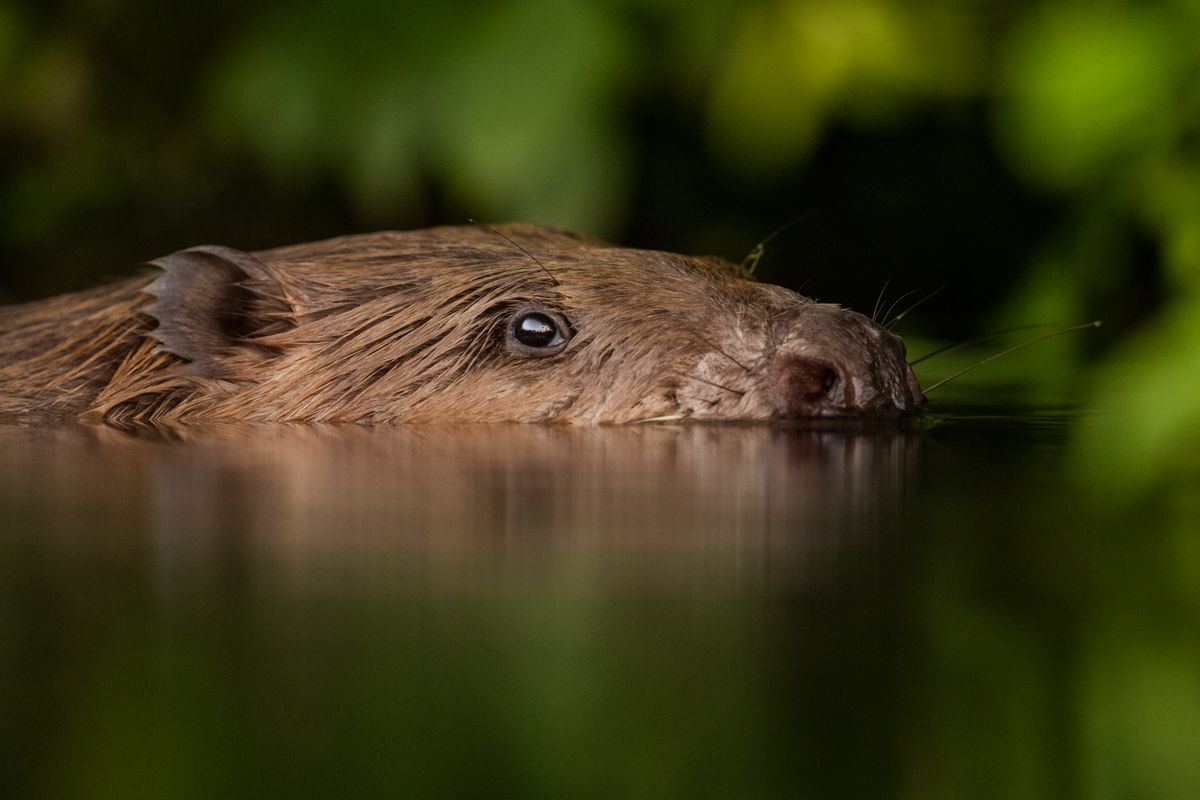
(831,381)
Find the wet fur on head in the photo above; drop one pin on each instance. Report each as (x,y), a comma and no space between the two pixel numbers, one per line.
(414,326)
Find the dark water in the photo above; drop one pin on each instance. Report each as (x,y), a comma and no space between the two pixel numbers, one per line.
(635,612)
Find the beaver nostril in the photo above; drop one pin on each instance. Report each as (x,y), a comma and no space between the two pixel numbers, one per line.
(802,386)
(810,381)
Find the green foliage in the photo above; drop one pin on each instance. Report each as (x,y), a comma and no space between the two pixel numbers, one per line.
(795,68)
(1086,91)
(510,106)
(1147,392)
(1101,100)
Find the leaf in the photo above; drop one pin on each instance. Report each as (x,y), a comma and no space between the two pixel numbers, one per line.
(1082,86)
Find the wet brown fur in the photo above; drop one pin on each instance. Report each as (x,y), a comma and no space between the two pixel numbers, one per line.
(411,326)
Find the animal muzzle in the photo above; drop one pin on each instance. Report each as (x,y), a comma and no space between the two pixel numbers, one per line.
(806,384)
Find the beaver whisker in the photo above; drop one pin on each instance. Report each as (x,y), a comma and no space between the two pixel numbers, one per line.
(519,247)
(799,302)
(663,418)
(1002,353)
(897,302)
(978,340)
(715,348)
(892,323)
(750,262)
(879,301)
(710,383)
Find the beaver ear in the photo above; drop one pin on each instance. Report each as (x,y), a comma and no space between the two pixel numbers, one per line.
(210,301)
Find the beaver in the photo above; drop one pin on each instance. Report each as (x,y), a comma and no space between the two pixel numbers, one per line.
(515,323)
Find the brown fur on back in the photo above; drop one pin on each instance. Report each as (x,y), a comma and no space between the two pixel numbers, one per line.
(58,355)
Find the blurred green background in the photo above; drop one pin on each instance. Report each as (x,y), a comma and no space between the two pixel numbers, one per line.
(1029,629)
(1040,160)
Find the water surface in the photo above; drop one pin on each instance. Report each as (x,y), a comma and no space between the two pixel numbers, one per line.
(539,611)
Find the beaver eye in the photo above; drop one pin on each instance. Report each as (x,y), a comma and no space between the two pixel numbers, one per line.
(537,333)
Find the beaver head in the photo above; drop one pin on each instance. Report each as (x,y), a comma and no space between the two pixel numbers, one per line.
(517,323)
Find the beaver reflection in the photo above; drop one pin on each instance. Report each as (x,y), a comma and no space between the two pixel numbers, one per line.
(655,501)
(455,324)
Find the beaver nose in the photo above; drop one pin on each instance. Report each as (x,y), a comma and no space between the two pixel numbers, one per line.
(801,386)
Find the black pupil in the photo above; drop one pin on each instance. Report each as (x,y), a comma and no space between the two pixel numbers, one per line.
(535,330)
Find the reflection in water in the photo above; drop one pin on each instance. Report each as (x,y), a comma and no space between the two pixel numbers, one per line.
(546,612)
(652,501)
